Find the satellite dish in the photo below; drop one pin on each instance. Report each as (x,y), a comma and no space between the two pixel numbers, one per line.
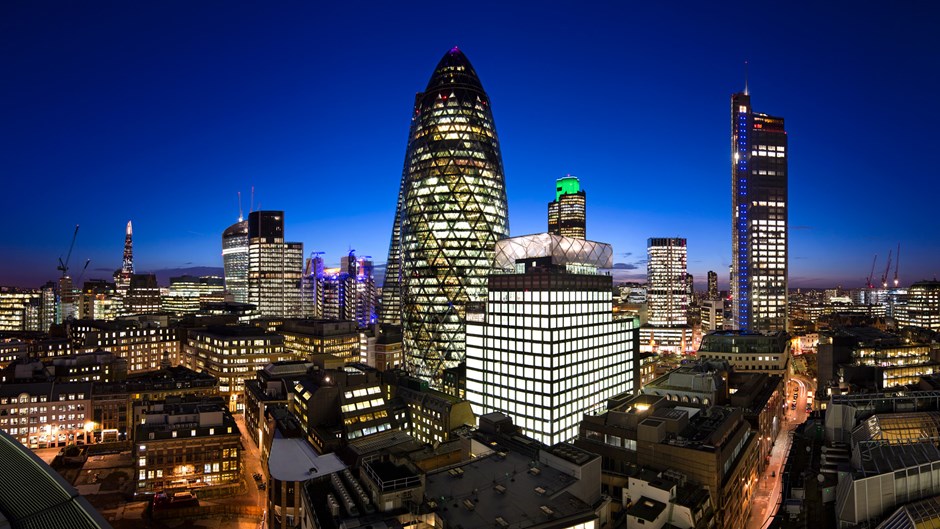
(820,478)
(808,449)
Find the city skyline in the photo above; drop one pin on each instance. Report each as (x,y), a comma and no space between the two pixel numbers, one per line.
(168,126)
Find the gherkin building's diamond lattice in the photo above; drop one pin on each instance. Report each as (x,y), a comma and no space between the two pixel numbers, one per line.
(451,211)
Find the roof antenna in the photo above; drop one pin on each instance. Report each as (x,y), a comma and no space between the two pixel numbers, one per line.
(251,204)
(241,217)
(745,77)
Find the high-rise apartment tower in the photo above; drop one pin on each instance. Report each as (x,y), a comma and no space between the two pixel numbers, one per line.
(451,211)
(759,250)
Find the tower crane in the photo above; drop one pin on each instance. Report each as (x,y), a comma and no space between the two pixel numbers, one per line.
(884,276)
(80,276)
(872,273)
(897,261)
(64,265)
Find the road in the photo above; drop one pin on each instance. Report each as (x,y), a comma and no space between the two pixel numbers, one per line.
(766,498)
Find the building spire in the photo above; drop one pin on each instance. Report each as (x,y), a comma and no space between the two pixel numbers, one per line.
(745,78)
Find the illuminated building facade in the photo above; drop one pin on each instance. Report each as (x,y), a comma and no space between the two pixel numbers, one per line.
(187,292)
(143,296)
(759,219)
(46,414)
(923,306)
(233,354)
(235,260)
(19,309)
(344,293)
(146,347)
(712,285)
(179,445)
(567,213)
(544,348)
(306,338)
(274,266)
(749,352)
(667,297)
(451,211)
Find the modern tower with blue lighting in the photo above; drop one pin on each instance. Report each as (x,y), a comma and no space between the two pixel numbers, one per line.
(759,218)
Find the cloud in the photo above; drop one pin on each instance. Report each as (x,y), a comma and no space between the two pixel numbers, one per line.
(624,266)
(800,228)
(626,254)
(103,269)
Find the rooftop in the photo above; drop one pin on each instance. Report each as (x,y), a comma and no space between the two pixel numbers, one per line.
(293,459)
(502,485)
(41,499)
(562,250)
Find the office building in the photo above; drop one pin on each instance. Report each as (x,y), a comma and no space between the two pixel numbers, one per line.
(544,348)
(567,213)
(759,252)
(96,301)
(305,339)
(749,352)
(19,309)
(274,266)
(143,295)
(145,345)
(188,293)
(47,305)
(713,447)
(235,260)
(233,354)
(865,358)
(451,211)
(182,444)
(46,414)
(923,306)
(344,293)
(712,292)
(667,297)
(713,311)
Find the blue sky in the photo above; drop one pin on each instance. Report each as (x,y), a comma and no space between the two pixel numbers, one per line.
(161,112)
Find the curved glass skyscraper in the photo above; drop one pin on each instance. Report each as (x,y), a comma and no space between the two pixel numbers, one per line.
(235,260)
(451,211)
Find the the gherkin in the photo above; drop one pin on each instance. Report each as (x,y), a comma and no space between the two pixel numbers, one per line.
(451,211)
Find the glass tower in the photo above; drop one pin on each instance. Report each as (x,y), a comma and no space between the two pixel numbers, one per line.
(451,211)
(235,260)
(759,219)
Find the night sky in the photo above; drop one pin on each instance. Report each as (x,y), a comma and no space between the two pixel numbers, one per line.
(160,112)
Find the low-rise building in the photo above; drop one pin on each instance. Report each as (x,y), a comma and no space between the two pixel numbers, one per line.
(186,444)
(749,352)
(304,338)
(46,414)
(145,345)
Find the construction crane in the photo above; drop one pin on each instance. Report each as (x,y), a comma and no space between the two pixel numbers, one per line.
(64,265)
(872,273)
(884,276)
(80,276)
(897,261)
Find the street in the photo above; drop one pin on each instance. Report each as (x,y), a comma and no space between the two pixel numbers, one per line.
(766,498)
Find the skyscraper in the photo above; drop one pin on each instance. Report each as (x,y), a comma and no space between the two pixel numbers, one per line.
(274,266)
(759,219)
(451,211)
(712,285)
(122,278)
(544,347)
(235,260)
(566,214)
(667,297)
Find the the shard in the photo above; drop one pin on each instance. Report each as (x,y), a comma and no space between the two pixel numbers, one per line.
(451,211)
